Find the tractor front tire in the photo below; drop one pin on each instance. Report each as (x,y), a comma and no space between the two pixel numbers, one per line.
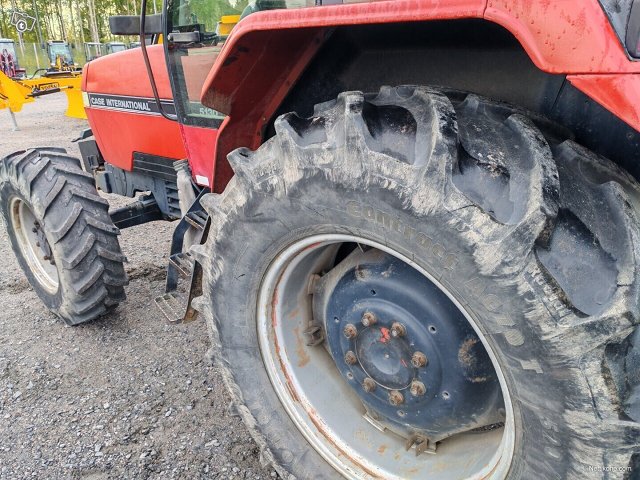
(531,236)
(61,233)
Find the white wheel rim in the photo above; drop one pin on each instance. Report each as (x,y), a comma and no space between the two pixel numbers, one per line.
(354,447)
(24,222)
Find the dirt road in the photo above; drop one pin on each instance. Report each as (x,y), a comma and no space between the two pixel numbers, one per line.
(123,397)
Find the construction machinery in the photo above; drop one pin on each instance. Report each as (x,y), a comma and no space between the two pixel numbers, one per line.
(15,92)
(61,59)
(9,64)
(93,50)
(13,96)
(410,226)
(62,75)
(113,47)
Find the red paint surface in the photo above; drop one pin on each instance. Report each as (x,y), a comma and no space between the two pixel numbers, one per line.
(563,36)
(200,145)
(124,73)
(385,336)
(268,64)
(119,134)
(319,18)
(619,94)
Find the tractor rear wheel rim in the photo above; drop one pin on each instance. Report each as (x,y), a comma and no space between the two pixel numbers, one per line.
(326,409)
(34,245)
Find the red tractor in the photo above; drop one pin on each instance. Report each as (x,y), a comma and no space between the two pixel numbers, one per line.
(412,226)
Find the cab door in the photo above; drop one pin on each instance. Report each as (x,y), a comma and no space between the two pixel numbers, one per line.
(192,44)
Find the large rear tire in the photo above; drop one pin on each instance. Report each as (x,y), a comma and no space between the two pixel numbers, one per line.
(61,234)
(531,236)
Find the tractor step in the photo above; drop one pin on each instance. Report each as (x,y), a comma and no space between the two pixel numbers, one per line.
(197,219)
(172,305)
(184,274)
(183,263)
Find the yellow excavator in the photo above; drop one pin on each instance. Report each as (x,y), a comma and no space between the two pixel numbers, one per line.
(61,59)
(15,92)
(64,74)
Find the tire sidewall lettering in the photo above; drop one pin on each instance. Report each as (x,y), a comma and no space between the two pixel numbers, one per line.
(434,249)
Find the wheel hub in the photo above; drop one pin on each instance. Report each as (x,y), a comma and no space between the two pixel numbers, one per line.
(402,345)
(385,359)
(322,301)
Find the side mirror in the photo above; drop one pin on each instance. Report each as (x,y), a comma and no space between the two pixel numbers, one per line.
(130,24)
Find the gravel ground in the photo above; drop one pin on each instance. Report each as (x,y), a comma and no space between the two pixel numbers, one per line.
(123,397)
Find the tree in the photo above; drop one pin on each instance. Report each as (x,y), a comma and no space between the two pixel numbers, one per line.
(93,25)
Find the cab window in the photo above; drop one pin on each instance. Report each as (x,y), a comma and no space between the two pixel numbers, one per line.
(197,30)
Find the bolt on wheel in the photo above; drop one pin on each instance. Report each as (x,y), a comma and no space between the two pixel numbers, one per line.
(403,370)
(34,245)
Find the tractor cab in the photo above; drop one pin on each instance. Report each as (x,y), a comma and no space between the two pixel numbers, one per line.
(60,57)
(93,50)
(9,60)
(113,47)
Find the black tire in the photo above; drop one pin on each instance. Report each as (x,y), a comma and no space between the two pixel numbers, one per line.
(79,232)
(537,235)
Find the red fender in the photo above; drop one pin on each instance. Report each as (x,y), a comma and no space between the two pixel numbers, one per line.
(268,51)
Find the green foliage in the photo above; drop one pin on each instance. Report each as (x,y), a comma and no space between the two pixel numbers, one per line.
(208,12)
(61,19)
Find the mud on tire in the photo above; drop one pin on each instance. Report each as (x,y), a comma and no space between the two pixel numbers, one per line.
(537,237)
(77,238)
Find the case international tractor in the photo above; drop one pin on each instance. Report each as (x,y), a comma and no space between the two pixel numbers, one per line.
(412,226)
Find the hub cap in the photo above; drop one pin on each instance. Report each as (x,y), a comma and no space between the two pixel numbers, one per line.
(434,376)
(384,358)
(34,245)
(395,369)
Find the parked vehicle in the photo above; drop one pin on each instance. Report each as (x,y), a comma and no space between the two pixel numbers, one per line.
(411,226)
(61,59)
(93,50)
(113,47)
(9,64)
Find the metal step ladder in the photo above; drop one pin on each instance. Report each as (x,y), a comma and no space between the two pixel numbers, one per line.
(175,303)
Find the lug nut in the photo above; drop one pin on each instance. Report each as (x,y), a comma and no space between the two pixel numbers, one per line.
(350,358)
(350,330)
(398,330)
(369,385)
(417,388)
(396,398)
(419,359)
(368,319)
